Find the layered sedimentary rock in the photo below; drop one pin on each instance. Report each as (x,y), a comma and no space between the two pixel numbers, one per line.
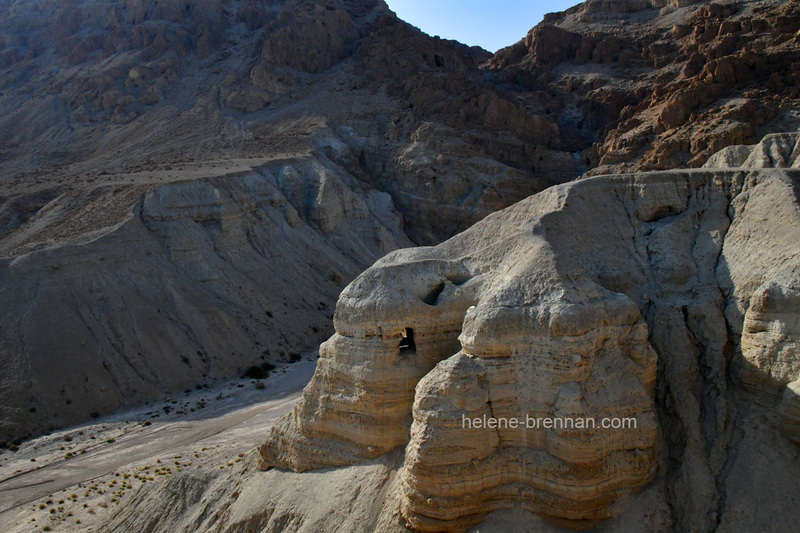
(559,307)
(103,89)
(104,101)
(414,326)
(140,255)
(199,280)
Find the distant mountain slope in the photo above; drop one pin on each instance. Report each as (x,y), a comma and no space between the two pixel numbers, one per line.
(186,187)
(664,83)
(118,87)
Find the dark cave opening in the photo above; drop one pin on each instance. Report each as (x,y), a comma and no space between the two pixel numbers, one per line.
(407,344)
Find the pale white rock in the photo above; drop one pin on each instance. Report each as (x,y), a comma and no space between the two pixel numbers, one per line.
(777,150)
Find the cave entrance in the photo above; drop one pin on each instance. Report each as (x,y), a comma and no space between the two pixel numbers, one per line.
(407,344)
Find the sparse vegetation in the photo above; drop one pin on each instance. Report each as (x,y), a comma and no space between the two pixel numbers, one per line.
(106,493)
(255,372)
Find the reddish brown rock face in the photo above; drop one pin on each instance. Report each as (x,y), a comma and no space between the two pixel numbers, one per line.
(665,84)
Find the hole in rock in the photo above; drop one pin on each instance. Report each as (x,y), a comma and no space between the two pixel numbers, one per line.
(407,344)
(432,296)
(662,211)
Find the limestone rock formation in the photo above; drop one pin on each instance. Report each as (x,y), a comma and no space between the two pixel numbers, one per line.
(559,306)
(778,150)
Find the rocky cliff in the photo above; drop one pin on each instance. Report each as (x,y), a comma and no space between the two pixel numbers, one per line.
(660,84)
(668,298)
(186,188)
(616,296)
(103,88)
(375,135)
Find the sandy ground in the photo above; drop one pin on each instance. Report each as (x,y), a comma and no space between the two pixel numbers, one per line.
(78,476)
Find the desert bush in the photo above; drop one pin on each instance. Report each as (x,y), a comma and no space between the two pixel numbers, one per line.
(255,372)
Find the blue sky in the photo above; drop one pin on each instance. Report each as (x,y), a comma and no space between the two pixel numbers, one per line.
(491,24)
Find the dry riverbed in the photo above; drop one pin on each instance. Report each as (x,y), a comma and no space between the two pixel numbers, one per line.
(74,479)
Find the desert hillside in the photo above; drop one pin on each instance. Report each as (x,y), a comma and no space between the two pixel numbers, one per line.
(661,84)
(187,188)
(598,221)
